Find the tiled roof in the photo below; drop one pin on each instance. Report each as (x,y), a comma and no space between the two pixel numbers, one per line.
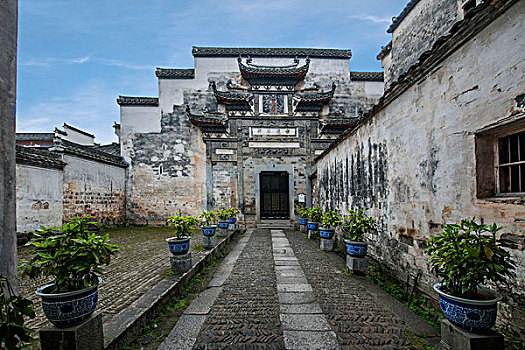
(323,97)
(234,101)
(34,136)
(90,153)
(175,73)
(267,74)
(337,126)
(112,148)
(385,50)
(39,157)
(137,101)
(207,123)
(397,20)
(369,76)
(461,32)
(78,130)
(270,52)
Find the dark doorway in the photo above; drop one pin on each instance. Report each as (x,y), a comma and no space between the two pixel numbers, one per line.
(274,195)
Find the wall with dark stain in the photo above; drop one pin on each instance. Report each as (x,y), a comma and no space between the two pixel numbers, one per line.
(413,165)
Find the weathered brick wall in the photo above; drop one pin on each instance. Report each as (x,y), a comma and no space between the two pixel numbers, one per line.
(95,189)
(417,32)
(168,171)
(413,165)
(38,197)
(224,185)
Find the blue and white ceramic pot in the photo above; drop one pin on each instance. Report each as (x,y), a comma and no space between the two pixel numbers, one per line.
(224,224)
(471,315)
(209,231)
(313,225)
(303,221)
(356,249)
(326,233)
(178,246)
(232,220)
(70,308)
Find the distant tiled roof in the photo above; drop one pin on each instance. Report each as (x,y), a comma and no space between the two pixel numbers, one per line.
(78,130)
(175,73)
(370,76)
(90,153)
(291,74)
(34,136)
(112,148)
(234,101)
(314,101)
(137,101)
(207,123)
(385,50)
(397,21)
(270,52)
(39,157)
(337,126)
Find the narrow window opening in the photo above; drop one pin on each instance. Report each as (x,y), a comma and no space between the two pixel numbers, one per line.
(511,167)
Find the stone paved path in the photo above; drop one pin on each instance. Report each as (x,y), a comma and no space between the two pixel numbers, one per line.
(276,290)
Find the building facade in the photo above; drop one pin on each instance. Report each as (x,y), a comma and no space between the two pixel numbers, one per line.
(240,129)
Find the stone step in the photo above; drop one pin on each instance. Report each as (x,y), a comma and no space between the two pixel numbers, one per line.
(275,224)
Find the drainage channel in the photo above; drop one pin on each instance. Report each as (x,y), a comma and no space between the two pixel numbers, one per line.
(184,334)
(304,325)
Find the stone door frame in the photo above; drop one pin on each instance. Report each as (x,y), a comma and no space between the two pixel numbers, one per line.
(274,168)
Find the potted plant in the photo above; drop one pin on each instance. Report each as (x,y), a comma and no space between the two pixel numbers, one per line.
(224,218)
(466,256)
(233,215)
(73,257)
(330,220)
(354,226)
(315,216)
(183,226)
(207,219)
(13,309)
(303,215)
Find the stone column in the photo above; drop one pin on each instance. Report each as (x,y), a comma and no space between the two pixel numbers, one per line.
(8,37)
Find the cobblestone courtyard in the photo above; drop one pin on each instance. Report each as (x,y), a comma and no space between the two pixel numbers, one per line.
(141,263)
(277,290)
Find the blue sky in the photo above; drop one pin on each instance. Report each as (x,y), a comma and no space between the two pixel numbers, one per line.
(76,57)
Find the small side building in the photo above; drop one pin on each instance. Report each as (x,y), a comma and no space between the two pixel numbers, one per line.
(64,174)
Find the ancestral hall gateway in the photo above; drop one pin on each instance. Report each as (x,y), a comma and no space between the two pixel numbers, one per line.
(240,129)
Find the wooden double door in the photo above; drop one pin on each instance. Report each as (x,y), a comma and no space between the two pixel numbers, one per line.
(275,197)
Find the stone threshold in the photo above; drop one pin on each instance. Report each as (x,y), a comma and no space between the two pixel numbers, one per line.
(129,323)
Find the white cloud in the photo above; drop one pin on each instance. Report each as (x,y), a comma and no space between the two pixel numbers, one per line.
(374,19)
(49,61)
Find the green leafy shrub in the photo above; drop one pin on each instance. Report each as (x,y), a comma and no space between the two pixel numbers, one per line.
(467,255)
(223,214)
(234,211)
(72,255)
(315,214)
(331,219)
(13,309)
(208,218)
(304,212)
(182,224)
(356,224)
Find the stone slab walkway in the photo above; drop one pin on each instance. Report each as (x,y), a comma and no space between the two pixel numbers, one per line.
(276,290)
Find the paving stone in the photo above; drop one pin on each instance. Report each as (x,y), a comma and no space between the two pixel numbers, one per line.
(201,305)
(183,335)
(286,263)
(297,298)
(304,322)
(284,258)
(288,267)
(292,273)
(291,287)
(306,340)
(310,308)
(290,280)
